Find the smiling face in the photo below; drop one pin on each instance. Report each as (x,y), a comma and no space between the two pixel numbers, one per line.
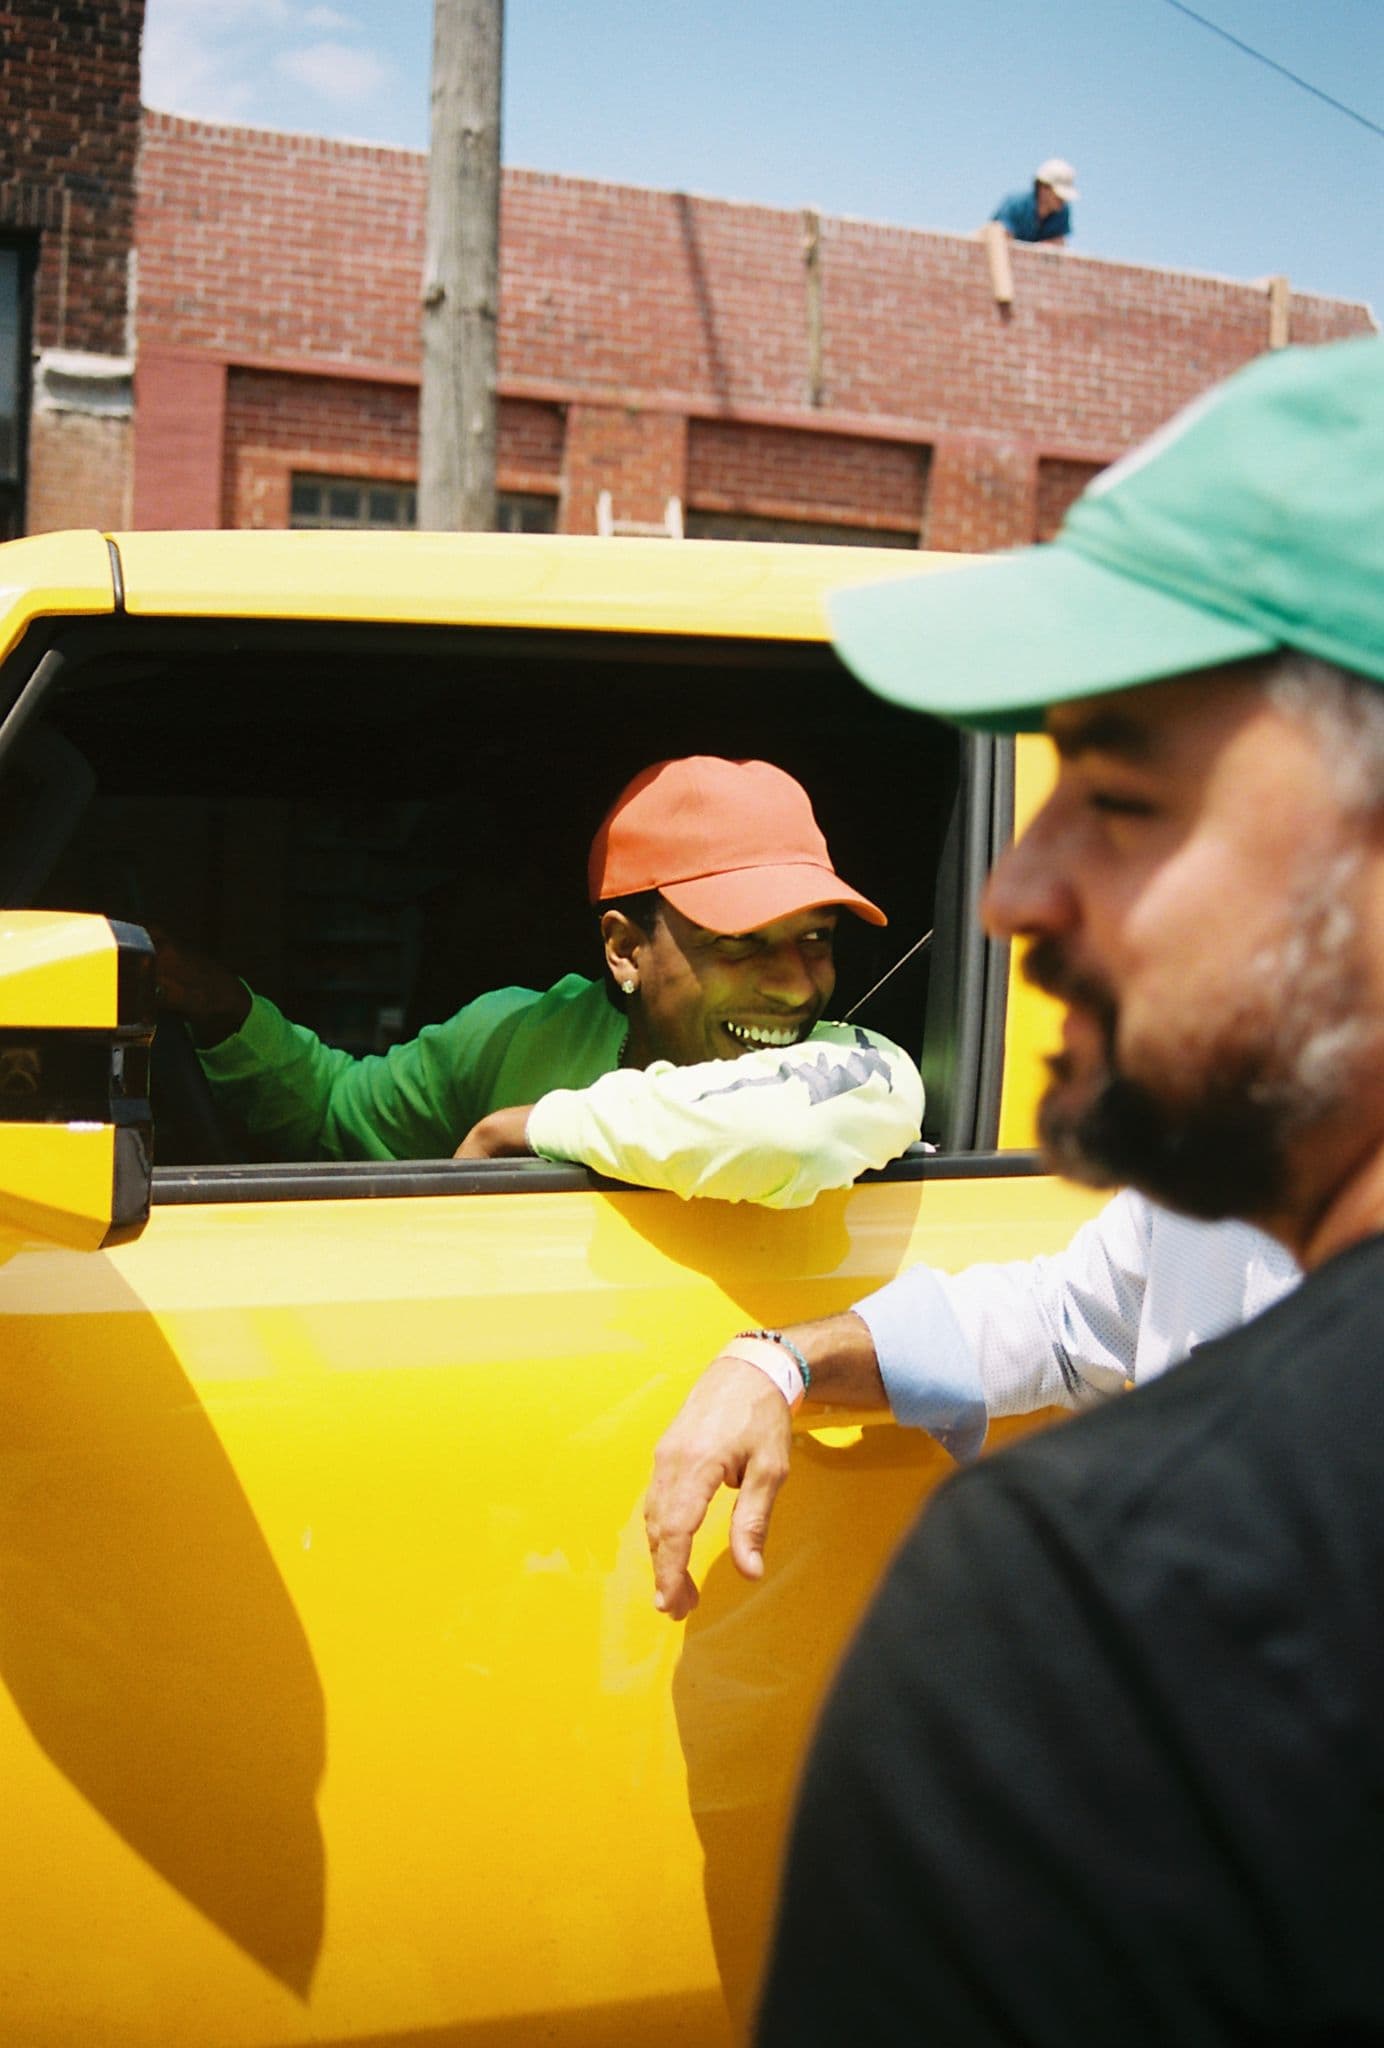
(1206,907)
(703,995)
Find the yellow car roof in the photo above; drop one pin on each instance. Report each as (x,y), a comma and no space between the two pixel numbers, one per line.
(753,590)
(52,574)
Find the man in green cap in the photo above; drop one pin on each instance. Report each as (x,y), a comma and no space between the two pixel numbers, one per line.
(1106,1760)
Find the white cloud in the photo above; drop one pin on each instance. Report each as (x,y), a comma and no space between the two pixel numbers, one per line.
(296,64)
(344,76)
(182,72)
(227,18)
(191,57)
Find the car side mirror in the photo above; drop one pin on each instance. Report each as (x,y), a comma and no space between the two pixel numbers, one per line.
(76,1024)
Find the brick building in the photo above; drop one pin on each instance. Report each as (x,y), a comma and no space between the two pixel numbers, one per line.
(69,141)
(771,371)
(747,370)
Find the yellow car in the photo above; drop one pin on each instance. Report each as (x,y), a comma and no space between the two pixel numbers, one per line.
(334,1704)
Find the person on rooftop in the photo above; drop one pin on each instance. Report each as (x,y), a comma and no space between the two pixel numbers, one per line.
(1045,213)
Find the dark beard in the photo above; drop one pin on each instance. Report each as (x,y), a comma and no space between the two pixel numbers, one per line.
(1219,1155)
(1221,1152)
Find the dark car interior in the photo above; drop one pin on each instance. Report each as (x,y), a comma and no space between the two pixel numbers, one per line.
(375,824)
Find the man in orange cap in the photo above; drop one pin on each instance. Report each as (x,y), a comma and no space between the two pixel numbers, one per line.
(717,901)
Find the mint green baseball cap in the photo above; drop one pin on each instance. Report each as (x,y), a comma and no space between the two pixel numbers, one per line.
(1253,520)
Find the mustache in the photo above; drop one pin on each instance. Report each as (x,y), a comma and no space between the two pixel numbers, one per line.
(1047,966)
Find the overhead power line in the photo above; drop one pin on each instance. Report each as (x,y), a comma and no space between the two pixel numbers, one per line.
(1281,69)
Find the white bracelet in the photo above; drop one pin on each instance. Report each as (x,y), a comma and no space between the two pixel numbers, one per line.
(774,1359)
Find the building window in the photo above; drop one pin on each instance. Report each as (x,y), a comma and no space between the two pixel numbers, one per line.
(746,526)
(16,273)
(348,501)
(526,512)
(342,501)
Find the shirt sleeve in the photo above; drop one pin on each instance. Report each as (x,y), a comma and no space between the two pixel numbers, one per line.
(1004,1339)
(308,1100)
(774,1127)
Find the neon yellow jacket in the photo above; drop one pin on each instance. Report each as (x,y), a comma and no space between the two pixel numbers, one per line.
(774,1126)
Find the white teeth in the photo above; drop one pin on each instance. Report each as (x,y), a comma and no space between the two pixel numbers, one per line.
(759,1034)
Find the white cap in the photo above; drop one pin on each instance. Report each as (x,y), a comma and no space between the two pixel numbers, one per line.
(1058,173)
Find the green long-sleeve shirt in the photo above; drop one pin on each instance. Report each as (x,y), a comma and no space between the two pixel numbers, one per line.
(416,1101)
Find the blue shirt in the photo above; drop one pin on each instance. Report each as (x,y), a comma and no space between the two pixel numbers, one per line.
(1019,213)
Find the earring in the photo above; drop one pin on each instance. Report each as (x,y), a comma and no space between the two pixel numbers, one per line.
(627,988)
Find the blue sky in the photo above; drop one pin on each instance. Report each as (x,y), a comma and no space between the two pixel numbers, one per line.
(1189,154)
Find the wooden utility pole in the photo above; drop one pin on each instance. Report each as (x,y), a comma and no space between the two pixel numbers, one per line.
(461,284)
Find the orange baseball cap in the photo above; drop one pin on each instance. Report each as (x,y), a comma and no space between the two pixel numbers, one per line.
(731,844)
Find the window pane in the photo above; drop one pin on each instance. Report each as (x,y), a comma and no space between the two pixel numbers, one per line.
(519,512)
(342,501)
(747,526)
(10,338)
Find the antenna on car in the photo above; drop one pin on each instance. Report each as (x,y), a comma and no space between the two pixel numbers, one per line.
(889,973)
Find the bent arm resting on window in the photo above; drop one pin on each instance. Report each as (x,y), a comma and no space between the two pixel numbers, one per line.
(774,1127)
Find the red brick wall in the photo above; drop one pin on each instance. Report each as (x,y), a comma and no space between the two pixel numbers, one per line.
(621,291)
(1091,356)
(69,137)
(79,472)
(531,445)
(776,473)
(639,457)
(678,333)
(1060,484)
(286,249)
(278,423)
(180,415)
(982,493)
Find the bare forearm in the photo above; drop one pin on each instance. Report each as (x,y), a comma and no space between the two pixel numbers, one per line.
(840,1353)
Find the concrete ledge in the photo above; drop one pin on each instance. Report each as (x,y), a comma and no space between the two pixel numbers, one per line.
(70,380)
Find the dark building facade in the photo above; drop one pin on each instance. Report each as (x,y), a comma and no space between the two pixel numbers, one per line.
(69,147)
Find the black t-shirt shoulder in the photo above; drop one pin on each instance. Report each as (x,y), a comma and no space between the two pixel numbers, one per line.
(1292,1403)
(1107,1759)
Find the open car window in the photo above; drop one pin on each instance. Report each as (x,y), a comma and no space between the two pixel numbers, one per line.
(375,824)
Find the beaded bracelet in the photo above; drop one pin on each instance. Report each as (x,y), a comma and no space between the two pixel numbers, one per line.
(796,1377)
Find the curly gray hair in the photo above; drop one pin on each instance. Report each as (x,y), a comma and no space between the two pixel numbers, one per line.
(1345,712)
